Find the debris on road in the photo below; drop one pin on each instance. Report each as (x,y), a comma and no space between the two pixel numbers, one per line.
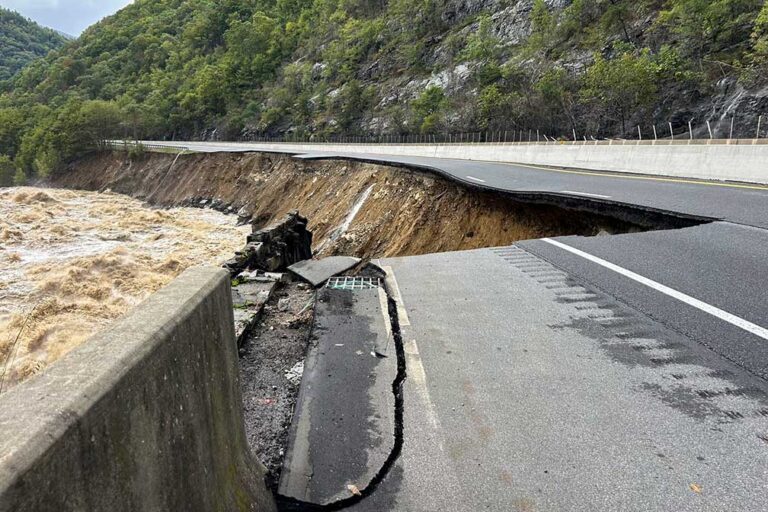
(317,272)
(271,367)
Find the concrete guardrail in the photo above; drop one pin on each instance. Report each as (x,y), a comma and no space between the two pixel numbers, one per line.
(725,162)
(737,160)
(146,415)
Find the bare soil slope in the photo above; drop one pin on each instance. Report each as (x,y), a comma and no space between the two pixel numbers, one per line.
(403,212)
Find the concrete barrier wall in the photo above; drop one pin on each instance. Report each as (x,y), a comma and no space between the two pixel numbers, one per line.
(737,160)
(145,416)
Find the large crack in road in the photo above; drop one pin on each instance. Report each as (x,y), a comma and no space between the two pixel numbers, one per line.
(286,503)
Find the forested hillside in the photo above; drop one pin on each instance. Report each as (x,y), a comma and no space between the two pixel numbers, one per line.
(22,41)
(232,69)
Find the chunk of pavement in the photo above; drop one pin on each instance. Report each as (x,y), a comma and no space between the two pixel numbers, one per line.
(275,247)
(248,300)
(343,426)
(317,272)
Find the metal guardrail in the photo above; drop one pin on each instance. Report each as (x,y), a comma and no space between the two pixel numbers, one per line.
(126,145)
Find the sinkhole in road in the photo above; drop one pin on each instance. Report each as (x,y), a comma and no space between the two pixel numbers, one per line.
(362,209)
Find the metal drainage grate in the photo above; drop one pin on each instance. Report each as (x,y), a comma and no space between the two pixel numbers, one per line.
(353,283)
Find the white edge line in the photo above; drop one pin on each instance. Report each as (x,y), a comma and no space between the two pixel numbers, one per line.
(584,194)
(395,290)
(475,179)
(696,303)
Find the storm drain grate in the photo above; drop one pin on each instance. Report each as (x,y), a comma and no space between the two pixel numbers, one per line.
(353,283)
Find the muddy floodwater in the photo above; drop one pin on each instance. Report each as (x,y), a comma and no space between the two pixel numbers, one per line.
(71,262)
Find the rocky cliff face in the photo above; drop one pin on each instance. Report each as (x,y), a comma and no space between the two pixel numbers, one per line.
(683,91)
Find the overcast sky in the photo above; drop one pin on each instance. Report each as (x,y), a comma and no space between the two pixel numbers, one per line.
(70,16)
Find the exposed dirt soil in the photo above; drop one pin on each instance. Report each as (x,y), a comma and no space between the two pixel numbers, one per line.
(404,212)
(271,365)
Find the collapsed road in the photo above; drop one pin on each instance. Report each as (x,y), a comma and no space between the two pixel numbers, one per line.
(571,373)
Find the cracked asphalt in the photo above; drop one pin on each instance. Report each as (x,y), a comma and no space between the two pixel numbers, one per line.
(622,372)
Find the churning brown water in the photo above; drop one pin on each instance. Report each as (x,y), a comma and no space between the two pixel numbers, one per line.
(71,262)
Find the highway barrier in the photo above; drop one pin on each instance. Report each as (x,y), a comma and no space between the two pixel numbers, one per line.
(146,415)
(739,160)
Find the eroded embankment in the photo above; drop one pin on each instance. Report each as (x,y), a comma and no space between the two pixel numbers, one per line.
(354,208)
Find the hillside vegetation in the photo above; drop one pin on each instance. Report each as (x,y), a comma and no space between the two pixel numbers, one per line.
(22,41)
(233,69)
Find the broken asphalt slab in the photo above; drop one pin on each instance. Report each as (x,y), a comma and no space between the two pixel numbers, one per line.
(317,272)
(248,299)
(343,426)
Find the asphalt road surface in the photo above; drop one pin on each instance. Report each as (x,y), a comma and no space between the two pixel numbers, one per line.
(622,372)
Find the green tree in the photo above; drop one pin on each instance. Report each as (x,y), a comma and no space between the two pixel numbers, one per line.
(543,25)
(482,46)
(20,178)
(759,53)
(428,108)
(12,125)
(498,110)
(22,41)
(710,27)
(620,87)
(60,136)
(7,171)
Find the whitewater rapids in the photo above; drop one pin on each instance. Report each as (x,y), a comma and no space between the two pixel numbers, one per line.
(71,262)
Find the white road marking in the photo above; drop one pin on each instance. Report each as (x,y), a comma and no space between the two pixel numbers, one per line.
(387,322)
(402,314)
(475,179)
(418,378)
(416,374)
(739,322)
(584,194)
